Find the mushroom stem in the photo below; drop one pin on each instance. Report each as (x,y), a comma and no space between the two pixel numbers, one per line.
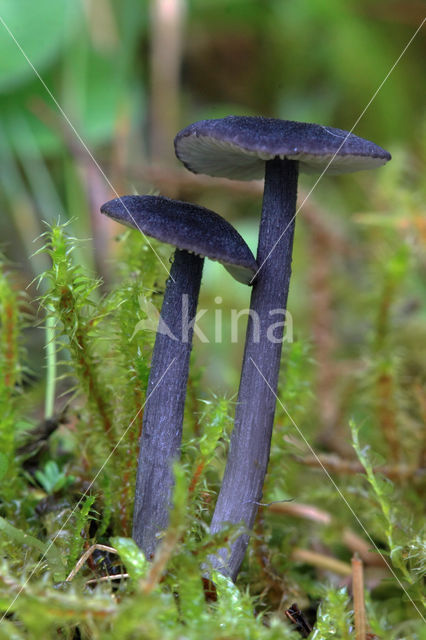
(163,413)
(251,438)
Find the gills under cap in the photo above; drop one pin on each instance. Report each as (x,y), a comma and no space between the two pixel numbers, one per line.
(238,146)
(186,226)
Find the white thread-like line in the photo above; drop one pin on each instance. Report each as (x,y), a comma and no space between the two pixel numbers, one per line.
(82,497)
(343,142)
(340,493)
(80,139)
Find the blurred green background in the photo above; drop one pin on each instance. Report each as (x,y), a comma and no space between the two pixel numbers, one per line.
(92,93)
(128,74)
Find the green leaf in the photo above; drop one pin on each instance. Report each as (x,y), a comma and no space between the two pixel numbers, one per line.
(230,597)
(41,29)
(52,478)
(133,558)
(334,619)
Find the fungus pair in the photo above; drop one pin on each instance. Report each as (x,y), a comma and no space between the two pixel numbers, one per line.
(246,148)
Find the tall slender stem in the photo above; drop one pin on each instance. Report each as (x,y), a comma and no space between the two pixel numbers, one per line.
(163,413)
(251,438)
(358,597)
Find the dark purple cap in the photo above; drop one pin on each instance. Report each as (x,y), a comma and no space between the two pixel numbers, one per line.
(238,146)
(186,226)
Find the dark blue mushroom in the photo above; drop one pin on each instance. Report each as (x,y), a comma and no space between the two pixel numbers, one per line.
(245,148)
(196,233)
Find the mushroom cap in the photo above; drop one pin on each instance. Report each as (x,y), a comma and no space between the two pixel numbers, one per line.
(186,226)
(238,146)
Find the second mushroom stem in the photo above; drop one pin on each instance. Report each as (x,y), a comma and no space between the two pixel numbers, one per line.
(248,456)
(164,408)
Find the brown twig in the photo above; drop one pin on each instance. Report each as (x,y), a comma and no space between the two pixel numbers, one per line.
(118,576)
(358,597)
(298,510)
(339,465)
(86,555)
(321,561)
(358,545)
(353,541)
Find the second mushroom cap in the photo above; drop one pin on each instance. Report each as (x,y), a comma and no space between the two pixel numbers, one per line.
(186,226)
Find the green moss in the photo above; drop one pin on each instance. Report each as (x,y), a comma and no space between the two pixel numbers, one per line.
(79,492)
